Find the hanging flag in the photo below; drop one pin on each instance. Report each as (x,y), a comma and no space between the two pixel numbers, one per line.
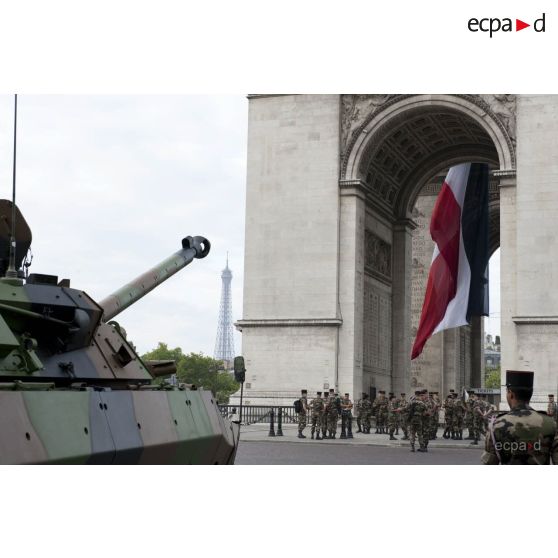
(457,287)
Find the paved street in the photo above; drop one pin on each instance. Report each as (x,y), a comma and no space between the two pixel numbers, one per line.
(257,448)
(314,453)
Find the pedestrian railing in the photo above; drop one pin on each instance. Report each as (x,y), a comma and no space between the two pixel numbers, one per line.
(252,414)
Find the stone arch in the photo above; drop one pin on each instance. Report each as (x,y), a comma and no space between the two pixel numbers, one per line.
(390,111)
(391,145)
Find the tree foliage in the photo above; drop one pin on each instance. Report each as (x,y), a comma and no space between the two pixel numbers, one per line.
(492,378)
(199,369)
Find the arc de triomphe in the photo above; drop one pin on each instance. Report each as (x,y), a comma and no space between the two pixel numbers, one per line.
(335,264)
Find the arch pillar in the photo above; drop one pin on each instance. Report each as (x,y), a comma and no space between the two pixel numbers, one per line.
(401,305)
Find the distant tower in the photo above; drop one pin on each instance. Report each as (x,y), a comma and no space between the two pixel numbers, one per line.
(224,344)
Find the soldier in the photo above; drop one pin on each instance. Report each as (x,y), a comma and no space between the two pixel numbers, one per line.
(448,415)
(417,408)
(379,409)
(346,417)
(426,420)
(522,436)
(358,408)
(435,415)
(403,413)
(458,411)
(317,408)
(478,419)
(551,407)
(324,416)
(332,414)
(393,412)
(468,417)
(302,413)
(366,412)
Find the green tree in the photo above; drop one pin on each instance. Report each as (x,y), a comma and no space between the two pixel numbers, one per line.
(199,369)
(492,378)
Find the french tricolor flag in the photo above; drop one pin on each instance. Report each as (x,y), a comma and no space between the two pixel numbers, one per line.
(457,287)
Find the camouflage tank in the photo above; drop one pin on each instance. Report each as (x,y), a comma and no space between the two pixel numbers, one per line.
(72,387)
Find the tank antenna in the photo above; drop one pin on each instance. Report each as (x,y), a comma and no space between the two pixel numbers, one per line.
(11,271)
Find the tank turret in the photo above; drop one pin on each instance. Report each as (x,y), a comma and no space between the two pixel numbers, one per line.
(72,387)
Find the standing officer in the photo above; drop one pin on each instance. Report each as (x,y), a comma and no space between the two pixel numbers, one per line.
(522,436)
(551,408)
(346,417)
(332,414)
(317,408)
(417,408)
(468,419)
(403,414)
(448,415)
(358,408)
(393,412)
(366,412)
(458,411)
(302,413)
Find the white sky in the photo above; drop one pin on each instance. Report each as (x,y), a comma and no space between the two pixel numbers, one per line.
(111,184)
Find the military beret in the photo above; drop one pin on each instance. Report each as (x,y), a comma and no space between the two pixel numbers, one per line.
(522,379)
(401,394)
(417,392)
(391,393)
(303,391)
(347,394)
(452,390)
(550,395)
(381,391)
(319,392)
(331,390)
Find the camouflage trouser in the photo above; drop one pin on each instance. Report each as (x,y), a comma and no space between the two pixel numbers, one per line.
(365,421)
(415,430)
(316,422)
(301,421)
(457,423)
(434,421)
(468,422)
(478,426)
(449,420)
(382,418)
(347,422)
(332,419)
(323,423)
(392,422)
(404,425)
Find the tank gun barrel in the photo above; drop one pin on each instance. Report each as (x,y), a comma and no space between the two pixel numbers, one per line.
(192,247)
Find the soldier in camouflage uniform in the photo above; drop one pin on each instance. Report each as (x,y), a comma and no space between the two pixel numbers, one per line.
(435,400)
(323,417)
(379,409)
(366,413)
(393,414)
(448,415)
(522,436)
(358,410)
(458,412)
(317,409)
(426,419)
(346,417)
(551,407)
(332,414)
(468,417)
(403,413)
(302,415)
(478,419)
(417,409)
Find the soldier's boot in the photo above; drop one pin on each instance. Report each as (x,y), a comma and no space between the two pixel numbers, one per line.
(422,450)
(301,435)
(413,447)
(343,434)
(391,436)
(377,430)
(461,434)
(318,435)
(405,437)
(350,435)
(359,424)
(312,435)
(445,434)
(333,435)
(359,429)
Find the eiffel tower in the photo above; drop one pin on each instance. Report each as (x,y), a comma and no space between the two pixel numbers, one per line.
(224,344)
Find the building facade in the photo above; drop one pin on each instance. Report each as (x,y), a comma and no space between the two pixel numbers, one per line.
(336,185)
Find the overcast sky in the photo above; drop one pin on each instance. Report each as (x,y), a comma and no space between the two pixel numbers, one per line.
(111,184)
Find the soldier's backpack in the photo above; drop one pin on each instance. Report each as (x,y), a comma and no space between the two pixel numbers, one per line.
(298,406)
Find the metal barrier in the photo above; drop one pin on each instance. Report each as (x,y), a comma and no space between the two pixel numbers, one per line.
(252,414)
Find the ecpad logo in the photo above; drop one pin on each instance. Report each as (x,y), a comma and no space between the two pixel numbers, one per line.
(494,24)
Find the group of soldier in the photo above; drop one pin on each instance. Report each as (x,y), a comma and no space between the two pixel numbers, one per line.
(418,417)
(507,436)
